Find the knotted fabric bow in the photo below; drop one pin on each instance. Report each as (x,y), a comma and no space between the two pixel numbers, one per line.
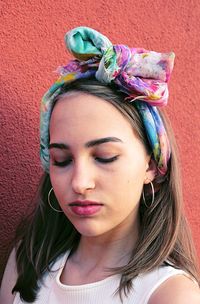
(142,75)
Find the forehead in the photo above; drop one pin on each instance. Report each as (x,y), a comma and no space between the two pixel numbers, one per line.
(86,115)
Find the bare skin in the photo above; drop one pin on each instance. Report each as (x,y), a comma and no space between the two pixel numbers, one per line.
(90,264)
(176,290)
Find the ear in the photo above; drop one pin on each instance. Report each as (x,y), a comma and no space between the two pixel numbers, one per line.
(151,171)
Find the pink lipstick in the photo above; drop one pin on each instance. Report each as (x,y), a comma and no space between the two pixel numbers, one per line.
(85,208)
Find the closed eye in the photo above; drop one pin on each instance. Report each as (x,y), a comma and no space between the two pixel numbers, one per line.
(106,160)
(63,163)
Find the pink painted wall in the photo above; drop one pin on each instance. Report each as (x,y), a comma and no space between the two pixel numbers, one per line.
(32,47)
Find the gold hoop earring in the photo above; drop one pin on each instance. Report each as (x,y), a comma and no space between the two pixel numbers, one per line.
(49,202)
(153,196)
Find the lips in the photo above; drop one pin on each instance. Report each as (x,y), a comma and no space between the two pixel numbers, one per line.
(85,208)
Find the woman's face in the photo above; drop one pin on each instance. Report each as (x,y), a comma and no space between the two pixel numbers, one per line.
(97,165)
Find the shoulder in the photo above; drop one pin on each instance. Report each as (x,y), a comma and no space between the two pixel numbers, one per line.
(178,289)
(9,279)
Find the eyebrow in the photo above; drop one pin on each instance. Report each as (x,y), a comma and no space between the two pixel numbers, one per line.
(89,144)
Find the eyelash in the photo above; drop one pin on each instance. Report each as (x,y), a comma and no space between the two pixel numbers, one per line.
(99,159)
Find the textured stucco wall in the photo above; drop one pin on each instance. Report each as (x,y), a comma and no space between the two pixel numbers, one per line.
(32,47)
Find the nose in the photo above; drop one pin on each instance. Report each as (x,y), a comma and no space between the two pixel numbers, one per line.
(82,178)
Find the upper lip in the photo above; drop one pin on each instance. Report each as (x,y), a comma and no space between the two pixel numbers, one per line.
(84,203)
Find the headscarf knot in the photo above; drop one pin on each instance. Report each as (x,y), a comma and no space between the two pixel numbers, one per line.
(140,73)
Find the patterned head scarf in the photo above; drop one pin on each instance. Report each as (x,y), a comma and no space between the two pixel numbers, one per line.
(142,75)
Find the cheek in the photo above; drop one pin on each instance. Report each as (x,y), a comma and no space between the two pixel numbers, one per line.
(134,171)
(131,189)
(59,184)
(132,182)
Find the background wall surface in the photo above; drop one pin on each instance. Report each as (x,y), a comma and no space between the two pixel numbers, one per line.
(32,47)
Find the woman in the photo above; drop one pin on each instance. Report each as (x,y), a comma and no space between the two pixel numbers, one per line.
(109,226)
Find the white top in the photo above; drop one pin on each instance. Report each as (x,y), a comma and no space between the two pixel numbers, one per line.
(52,291)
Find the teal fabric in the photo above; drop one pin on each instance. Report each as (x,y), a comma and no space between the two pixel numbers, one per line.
(84,40)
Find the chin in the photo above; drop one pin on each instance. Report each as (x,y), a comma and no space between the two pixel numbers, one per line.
(87,232)
(89,229)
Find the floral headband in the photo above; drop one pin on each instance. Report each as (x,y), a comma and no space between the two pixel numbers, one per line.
(142,75)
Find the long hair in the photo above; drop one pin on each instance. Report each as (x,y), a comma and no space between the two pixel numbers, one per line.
(164,236)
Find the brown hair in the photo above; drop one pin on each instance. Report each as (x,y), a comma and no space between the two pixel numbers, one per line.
(164,236)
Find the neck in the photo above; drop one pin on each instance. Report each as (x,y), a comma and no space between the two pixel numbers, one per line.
(108,250)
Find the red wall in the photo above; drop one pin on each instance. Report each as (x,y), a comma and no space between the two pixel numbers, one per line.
(32,47)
